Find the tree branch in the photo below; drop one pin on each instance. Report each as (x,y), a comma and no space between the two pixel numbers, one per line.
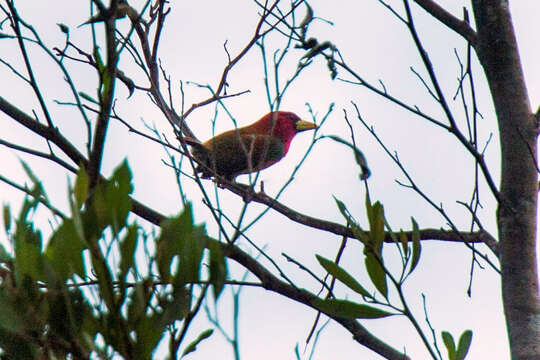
(107,82)
(444,104)
(46,132)
(480,236)
(29,192)
(15,23)
(459,26)
(242,190)
(272,283)
(498,53)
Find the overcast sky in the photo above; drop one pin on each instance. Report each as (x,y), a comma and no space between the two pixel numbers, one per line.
(378,47)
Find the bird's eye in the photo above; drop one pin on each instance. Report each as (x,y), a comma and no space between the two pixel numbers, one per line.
(293,118)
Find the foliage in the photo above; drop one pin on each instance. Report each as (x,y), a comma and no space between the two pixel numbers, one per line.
(379,274)
(459,352)
(59,296)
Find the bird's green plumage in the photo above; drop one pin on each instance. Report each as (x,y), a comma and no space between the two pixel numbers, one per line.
(234,152)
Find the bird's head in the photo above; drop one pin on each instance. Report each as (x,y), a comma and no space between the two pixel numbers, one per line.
(282,124)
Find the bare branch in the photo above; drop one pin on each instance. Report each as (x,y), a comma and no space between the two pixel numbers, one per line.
(461,27)
(28,192)
(426,234)
(44,131)
(412,185)
(329,294)
(16,25)
(48,156)
(232,62)
(446,108)
(107,78)
(306,269)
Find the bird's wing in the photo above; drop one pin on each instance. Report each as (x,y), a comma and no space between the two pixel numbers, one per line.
(265,151)
(233,153)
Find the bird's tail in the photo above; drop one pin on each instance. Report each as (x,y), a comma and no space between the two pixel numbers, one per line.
(192,142)
(201,154)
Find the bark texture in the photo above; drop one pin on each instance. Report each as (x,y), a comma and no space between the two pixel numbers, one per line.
(516,215)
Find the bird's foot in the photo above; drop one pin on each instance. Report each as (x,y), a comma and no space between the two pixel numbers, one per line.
(247,191)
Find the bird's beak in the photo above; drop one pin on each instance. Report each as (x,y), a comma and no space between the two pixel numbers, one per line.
(302,125)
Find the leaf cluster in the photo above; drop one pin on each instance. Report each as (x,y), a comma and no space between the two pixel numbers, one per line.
(88,278)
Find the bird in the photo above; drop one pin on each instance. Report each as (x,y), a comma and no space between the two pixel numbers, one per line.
(248,149)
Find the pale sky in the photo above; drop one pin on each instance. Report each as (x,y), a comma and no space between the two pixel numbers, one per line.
(378,47)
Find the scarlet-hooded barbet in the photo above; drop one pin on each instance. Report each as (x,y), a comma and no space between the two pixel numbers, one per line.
(250,148)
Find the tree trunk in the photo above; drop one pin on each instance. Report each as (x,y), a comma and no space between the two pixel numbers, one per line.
(516,214)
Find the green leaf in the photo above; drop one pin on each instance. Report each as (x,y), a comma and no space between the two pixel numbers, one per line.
(376,226)
(28,259)
(101,211)
(111,201)
(166,245)
(89,326)
(139,301)
(88,97)
(348,309)
(16,347)
(77,219)
(63,28)
(356,229)
(127,250)
(450,345)
(358,155)
(80,189)
(37,190)
(218,268)
(193,345)
(80,308)
(464,344)
(148,336)
(65,310)
(118,189)
(339,273)
(189,264)
(180,237)
(175,307)
(417,249)
(99,60)
(297,352)
(404,241)
(376,273)
(7,217)
(104,278)
(9,316)
(4,255)
(107,84)
(65,249)
(390,233)
(368,208)
(342,208)
(307,19)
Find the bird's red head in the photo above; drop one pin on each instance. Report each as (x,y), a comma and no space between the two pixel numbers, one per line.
(250,148)
(282,124)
